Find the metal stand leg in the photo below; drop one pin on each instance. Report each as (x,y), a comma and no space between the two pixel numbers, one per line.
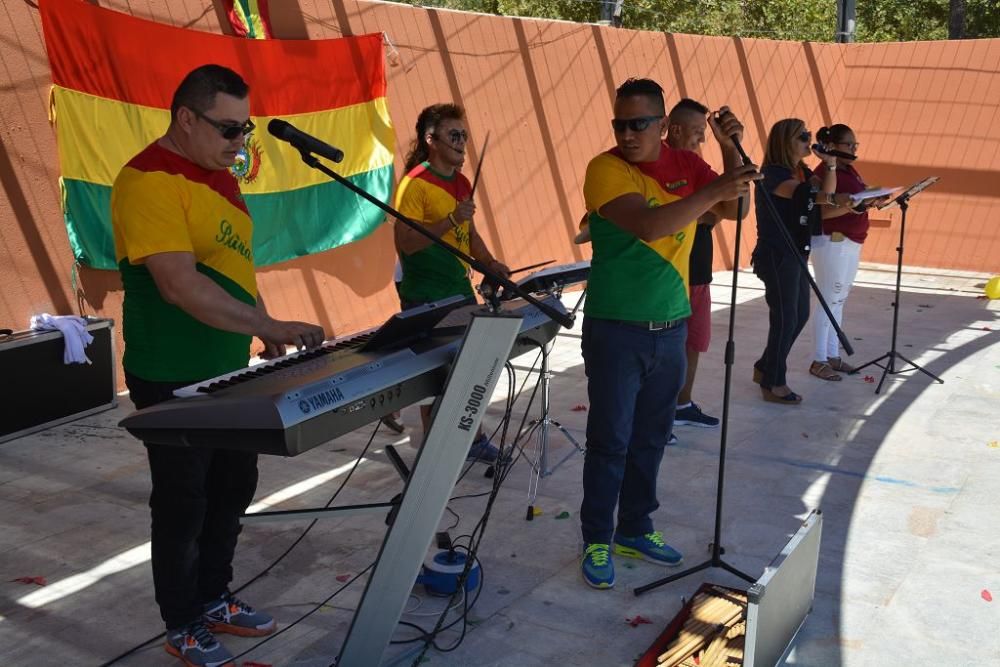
(472,379)
(540,428)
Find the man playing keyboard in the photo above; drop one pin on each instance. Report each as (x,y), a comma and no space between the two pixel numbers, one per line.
(184,243)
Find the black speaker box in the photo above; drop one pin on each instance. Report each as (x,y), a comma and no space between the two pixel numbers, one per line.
(38,390)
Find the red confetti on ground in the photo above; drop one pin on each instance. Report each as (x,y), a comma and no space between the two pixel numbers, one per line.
(986,595)
(343,577)
(251,663)
(870,379)
(637,621)
(38,581)
(579,408)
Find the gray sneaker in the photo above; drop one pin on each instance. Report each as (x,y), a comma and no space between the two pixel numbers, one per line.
(196,646)
(231,615)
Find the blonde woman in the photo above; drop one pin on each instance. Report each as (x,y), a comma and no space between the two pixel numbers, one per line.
(794,191)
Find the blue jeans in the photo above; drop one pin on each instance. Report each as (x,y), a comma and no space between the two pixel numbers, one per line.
(633,378)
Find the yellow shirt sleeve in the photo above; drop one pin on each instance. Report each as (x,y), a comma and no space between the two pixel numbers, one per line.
(607,179)
(410,200)
(149,214)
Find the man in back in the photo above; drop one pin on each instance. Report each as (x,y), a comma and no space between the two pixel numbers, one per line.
(686,126)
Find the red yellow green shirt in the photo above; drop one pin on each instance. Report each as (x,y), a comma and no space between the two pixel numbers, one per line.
(432,273)
(162,202)
(631,279)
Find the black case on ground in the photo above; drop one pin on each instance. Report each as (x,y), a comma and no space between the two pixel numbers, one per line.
(38,390)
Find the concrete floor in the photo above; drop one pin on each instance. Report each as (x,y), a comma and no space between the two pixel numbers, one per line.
(906,481)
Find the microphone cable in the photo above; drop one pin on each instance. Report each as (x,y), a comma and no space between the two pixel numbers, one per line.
(476,535)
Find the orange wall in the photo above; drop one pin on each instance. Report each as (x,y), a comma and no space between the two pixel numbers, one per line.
(543,90)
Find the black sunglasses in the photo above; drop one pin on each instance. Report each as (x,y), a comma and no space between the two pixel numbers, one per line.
(635,124)
(229,131)
(806,137)
(455,136)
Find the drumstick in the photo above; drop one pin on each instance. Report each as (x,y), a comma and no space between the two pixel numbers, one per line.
(482,156)
(532,266)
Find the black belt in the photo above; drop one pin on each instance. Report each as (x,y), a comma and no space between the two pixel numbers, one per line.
(651,325)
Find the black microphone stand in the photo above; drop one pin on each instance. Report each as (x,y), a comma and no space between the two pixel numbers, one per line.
(717,550)
(564,319)
(890,368)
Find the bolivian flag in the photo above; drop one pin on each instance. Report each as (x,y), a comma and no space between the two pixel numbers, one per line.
(114,78)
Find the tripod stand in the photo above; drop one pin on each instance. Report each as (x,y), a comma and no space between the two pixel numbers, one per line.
(717,550)
(540,466)
(890,366)
(540,429)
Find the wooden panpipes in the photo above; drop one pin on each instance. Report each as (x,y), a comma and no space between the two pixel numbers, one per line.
(714,633)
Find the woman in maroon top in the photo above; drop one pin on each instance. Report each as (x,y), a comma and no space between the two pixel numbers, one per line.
(835,254)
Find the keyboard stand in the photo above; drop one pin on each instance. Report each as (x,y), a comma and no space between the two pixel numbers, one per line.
(471,381)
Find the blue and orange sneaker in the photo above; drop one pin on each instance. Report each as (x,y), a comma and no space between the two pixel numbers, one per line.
(649,547)
(598,570)
(230,615)
(196,646)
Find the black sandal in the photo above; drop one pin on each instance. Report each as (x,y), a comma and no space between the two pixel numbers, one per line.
(791,398)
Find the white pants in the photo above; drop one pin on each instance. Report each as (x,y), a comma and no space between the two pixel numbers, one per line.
(835,264)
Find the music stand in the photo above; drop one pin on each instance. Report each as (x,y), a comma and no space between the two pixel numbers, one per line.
(890,366)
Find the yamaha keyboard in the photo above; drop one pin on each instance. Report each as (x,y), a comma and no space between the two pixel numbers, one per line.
(290,405)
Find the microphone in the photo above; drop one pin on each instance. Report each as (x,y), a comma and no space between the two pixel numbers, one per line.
(304,142)
(829,151)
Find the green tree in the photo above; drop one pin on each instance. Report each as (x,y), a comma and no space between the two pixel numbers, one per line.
(812,20)
(774,19)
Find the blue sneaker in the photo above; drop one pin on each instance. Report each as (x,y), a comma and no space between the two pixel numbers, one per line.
(482,450)
(196,646)
(649,547)
(672,440)
(231,615)
(598,570)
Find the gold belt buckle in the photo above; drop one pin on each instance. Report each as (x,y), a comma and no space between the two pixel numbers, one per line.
(837,237)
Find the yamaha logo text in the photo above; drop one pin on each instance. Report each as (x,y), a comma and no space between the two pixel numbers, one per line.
(321,400)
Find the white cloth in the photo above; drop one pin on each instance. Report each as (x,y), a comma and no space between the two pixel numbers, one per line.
(74,331)
(835,265)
